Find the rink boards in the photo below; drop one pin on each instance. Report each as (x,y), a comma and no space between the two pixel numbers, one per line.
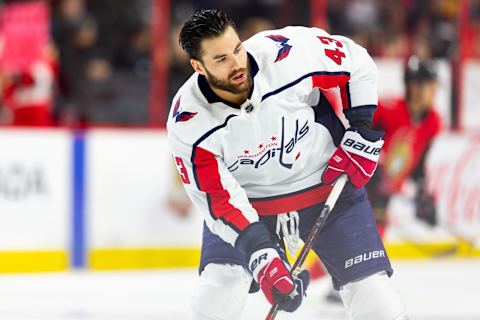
(101,200)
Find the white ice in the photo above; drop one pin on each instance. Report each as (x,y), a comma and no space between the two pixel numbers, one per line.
(436,289)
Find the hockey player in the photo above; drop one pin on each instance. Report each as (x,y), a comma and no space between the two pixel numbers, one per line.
(257,147)
(410,125)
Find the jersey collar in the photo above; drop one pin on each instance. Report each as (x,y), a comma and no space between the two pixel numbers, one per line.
(212,97)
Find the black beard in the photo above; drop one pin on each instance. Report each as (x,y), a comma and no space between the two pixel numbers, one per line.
(227,85)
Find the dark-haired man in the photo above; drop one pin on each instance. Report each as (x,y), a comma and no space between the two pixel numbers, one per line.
(257,146)
(410,125)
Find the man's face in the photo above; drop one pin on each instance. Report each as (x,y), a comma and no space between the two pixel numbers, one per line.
(224,63)
(422,94)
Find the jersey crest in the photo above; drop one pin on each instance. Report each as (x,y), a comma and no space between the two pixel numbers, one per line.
(284,47)
(181,116)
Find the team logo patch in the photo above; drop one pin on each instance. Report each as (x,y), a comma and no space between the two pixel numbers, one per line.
(284,47)
(282,148)
(181,116)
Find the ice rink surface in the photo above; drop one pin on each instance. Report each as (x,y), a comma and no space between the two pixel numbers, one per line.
(439,289)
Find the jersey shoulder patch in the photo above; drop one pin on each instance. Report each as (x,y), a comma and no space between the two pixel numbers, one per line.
(282,43)
(179,115)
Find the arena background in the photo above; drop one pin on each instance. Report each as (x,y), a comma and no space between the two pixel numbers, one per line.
(96,188)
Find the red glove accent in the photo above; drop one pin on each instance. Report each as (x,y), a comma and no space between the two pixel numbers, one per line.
(271,274)
(355,156)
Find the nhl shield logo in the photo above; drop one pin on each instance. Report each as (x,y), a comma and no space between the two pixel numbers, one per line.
(249,108)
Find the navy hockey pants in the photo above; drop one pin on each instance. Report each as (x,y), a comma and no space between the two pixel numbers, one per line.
(348,245)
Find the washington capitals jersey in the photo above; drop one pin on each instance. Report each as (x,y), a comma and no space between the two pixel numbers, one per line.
(267,155)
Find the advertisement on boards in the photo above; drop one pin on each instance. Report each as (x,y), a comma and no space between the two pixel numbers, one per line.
(35,184)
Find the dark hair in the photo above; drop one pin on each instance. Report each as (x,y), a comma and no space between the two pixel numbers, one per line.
(203,24)
(419,70)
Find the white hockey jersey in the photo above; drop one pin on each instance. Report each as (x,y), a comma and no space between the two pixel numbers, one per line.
(267,156)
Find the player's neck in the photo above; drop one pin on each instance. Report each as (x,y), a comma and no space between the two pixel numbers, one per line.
(417,110)
(235,98)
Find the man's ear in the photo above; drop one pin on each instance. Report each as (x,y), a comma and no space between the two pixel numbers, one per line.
(197,66)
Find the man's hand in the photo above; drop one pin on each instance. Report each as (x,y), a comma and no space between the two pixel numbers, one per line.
(357,156)
(291,302)
(275,280)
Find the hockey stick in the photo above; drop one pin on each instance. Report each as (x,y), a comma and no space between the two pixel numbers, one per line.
(297,266)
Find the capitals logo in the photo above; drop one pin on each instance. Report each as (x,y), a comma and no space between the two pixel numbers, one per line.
(284,47)
(282,148)
(179,115)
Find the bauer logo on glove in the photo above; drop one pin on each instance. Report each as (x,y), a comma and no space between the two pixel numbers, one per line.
(357,156)
(368,149)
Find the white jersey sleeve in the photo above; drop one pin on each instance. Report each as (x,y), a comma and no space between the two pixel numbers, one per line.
(209,184)
(327,60)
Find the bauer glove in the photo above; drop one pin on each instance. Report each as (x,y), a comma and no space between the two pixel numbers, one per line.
(273,276)
(357,156)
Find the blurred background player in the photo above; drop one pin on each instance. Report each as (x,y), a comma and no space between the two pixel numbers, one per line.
(410,124)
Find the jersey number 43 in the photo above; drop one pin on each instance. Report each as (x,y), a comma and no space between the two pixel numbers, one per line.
(336,55)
